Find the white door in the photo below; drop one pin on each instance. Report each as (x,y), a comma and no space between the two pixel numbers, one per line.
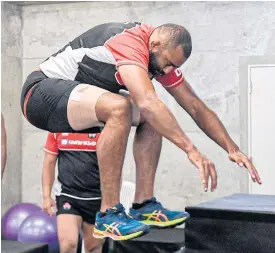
(262,126)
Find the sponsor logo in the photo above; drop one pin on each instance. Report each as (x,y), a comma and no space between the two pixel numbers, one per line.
(177,72)
(66,206)
(64,141)
(92,136)
(82,143)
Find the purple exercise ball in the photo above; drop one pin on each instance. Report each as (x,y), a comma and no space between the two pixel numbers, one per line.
(14,217)
(40,227)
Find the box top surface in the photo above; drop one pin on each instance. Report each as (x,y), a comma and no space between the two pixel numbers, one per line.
(241,202)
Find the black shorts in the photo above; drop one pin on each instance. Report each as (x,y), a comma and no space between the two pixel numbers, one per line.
(44,103)
(87,209)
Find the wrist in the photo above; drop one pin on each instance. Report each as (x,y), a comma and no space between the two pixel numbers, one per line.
(46,196)
(232,148)
(190,148)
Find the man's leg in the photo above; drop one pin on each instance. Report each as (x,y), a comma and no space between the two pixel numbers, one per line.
(91,106)
(67,106)
(68,224)
(115,111)
(68,227)
(88,209)
(92,245)
(146,148)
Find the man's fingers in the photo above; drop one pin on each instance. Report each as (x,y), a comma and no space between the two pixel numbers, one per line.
(48,211)
(249,166)
(257,176)
(258,179)
(252,170)
(204,179)
(207,174)
(239,162)
(242,160)
(214,177)
(54,205)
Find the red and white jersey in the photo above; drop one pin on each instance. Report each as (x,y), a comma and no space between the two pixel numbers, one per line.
(78,172)
(93,57)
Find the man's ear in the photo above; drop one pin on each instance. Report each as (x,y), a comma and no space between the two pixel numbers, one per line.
(154,45)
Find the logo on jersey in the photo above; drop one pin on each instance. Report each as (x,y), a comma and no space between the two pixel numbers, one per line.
(178,72)
(92,136)
(82,143)
(67,206)
(64,141)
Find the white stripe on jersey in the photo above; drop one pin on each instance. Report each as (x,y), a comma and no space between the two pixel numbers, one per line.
(65,64)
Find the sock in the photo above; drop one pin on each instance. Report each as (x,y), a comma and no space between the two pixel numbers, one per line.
(140,205)
(102,214)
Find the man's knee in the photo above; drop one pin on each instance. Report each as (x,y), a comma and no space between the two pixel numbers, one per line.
(115,107)
(94,247)
(121,108)
(67,245)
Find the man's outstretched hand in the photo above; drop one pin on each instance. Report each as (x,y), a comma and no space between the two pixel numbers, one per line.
(206,168)
(243,161)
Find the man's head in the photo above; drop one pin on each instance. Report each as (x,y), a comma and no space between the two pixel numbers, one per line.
(170,46)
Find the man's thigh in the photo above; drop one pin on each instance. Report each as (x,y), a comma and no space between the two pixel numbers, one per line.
(45,104)
(68,221)
(88,210)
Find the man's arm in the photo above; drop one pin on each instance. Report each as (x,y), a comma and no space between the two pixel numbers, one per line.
(152,108)
(211,125)
(3,146)
(205,118)
(159,116)
(48,173)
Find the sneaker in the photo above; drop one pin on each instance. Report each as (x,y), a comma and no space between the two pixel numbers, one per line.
(116,224)
(152,213)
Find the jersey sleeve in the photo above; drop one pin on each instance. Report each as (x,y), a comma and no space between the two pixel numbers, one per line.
(171,80)
(130,46)
(51,145)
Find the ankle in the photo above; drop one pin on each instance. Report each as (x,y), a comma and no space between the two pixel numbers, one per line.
(106,206)
(144,202)
(140,199)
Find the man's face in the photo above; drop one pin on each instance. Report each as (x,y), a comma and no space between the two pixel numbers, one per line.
(163,60)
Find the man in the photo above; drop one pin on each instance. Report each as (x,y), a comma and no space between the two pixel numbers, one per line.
(3,146)
(78,88)
(77,191)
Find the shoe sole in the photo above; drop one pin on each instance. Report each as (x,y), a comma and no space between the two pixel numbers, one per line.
(102,234)
(166,224)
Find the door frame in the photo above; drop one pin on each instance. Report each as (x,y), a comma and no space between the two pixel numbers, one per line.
(250,89)
(246,64)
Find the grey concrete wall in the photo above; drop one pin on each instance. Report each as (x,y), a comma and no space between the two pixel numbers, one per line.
(11,79)
(221,32)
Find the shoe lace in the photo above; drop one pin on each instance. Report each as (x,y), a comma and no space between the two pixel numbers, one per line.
(121,212)
(158,204)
